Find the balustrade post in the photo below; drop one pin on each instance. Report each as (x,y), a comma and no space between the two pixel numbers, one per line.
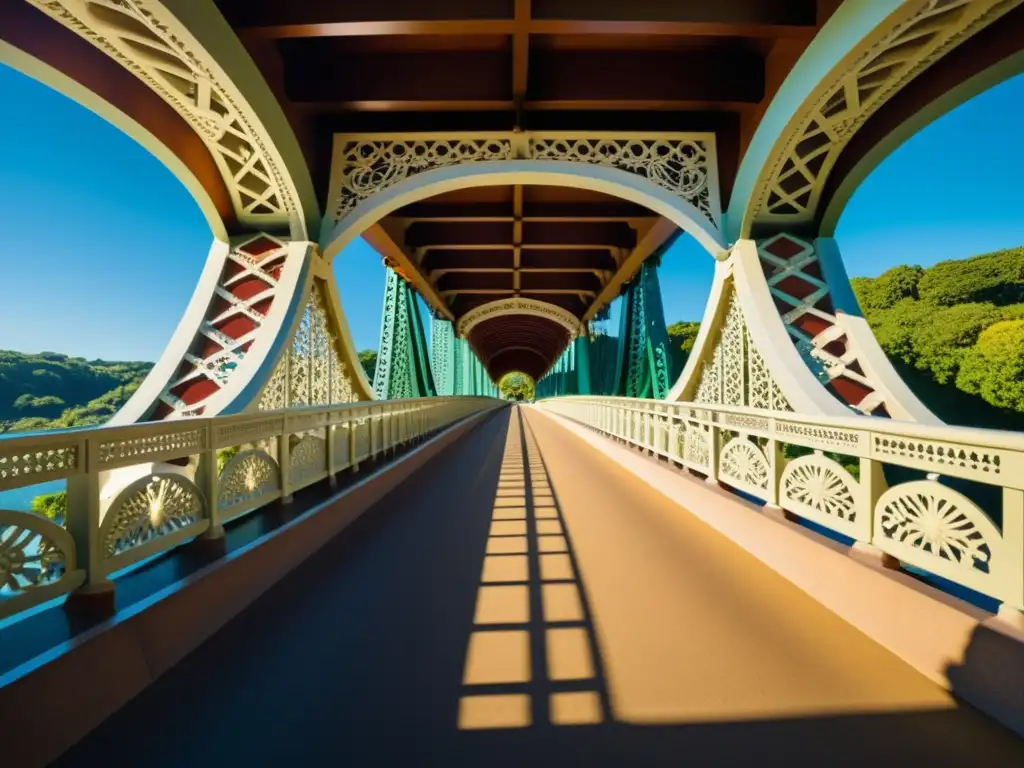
(872,486)
(714,445)
(331,479)
(97,594)
(284,458)
(1012,609)
(208,480)
(353,428)
(776,465)
(371,425)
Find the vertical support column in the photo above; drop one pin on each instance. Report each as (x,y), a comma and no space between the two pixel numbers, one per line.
(1013,536)
(284,460)
(353,430)
(96,596)
(643,366)
(207,477)
(403,370)
(776,465)
(872,486)
(331,478)
(583,363)
(714,447)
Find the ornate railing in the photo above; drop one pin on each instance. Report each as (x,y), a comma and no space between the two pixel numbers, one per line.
(973,536)
(139,490)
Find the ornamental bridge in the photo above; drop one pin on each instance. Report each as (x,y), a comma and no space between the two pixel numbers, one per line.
(778,554)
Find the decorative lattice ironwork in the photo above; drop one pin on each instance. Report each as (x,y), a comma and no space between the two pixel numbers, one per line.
(149,508)
(146,39)
(311,371)
(683,166)
(368,166)
(733,372)
(794,176)
(403,368)
(235,322)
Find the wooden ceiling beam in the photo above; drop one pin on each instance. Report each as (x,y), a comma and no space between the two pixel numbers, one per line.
(458,76)
(243,14)
(600,260)
(520,52)
(444,27)
(534,234)
(728,17)
(508,292)
(315,18)
(536,211)
(670,28)
(724,77)
(715,75)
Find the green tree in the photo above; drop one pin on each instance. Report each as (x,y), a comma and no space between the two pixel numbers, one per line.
(994,367)
(681,337)
(884,291)
(368,359)
(51,505)
(944,334)
(996,278)
(516,386)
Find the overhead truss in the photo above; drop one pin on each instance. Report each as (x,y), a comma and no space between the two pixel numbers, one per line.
(151,43)
(685,164)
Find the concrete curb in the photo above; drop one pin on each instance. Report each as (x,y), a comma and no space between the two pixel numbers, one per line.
(51,702)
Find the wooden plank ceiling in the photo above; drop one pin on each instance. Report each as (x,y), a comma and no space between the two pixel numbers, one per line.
(476,65)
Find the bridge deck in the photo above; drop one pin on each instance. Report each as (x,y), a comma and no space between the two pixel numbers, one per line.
(459,625)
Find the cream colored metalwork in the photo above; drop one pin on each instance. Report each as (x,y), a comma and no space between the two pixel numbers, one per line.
(239,308)
(518,306)
(923,523)
(249,480)
(795,266)
(912,38)
(153,507)
(366,164)
(836,344)
(684,164)
(37,561)
(158,509)
(934,527)
(732,371)
(781,324)
(148,40)
(311,370)
(820,489)
(743,465)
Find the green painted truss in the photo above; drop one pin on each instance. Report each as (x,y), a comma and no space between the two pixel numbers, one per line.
(403,364)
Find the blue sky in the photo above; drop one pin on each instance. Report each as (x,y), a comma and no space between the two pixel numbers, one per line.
(102,245)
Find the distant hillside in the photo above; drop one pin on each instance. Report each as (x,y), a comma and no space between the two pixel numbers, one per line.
(954,331)
(50,390)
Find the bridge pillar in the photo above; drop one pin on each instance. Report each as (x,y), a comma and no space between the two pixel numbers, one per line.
(783,331)
(403,368)
(443,349)
(643,361)
(582,343)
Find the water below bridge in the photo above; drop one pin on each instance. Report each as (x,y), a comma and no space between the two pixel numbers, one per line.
(523,600)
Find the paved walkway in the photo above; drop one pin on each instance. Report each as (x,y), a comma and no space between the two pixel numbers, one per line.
(524,601)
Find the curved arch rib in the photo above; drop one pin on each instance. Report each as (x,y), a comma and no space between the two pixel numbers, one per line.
(864,55)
